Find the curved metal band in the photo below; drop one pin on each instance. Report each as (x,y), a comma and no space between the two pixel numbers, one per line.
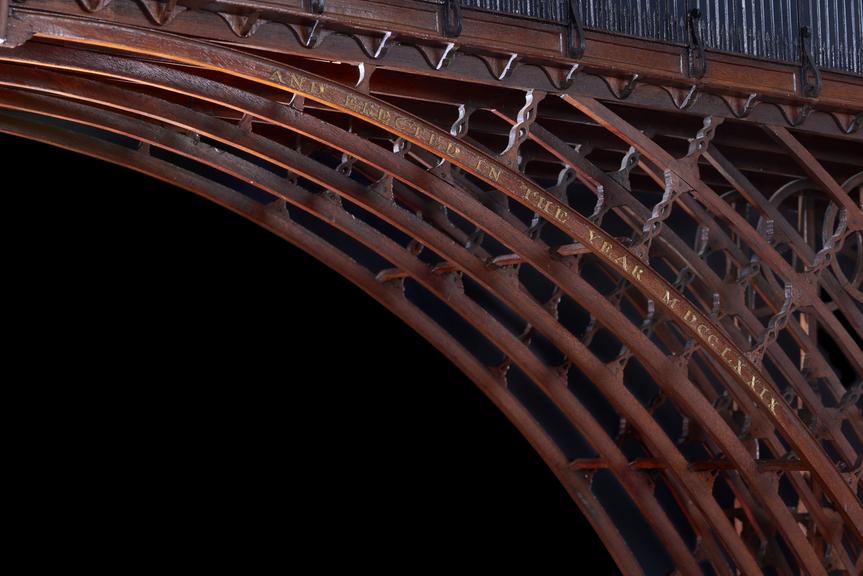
(581,418)
(514,185)
(387,295)
(675,249)
(808,293)
(131,100)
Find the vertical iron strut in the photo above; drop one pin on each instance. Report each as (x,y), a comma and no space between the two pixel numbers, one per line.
(4,15)
(575,41)
(316,6)
(451,18)
(810,75)
(696,63)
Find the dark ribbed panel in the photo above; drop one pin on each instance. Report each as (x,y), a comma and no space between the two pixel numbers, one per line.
(655,19)
(837,33)
(768,29)
(772,29)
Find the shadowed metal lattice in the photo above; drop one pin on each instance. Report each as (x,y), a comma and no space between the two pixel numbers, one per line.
(648,255)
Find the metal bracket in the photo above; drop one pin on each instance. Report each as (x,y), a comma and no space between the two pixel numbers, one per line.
(696,63)
(520,130)
(461,126)
(451,18)
(832,245)
(661,211)
(4,17)
(309,36)
(162,13)
(94,5)
(374,47)
(775,325)
(851,397)
(575,41)
(243,25)
(630,160)
(699,145)
(315,6)
(601,206)
(621,88)
(810,75)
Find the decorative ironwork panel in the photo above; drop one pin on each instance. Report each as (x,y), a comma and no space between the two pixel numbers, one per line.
(658,282)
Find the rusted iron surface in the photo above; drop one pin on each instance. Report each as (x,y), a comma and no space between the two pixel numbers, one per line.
(402,34)
(652,292)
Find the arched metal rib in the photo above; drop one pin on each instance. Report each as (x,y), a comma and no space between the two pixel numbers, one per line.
(653,433)
(581,418)
(387,295)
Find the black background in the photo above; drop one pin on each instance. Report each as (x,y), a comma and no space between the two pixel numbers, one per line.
(199,386)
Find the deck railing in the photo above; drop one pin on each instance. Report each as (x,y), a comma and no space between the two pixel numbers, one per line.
(767,29)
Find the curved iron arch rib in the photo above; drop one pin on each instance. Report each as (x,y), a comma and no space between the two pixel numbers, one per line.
(388,295)
(675,249)
(692,393)
(335,216)
(141,107)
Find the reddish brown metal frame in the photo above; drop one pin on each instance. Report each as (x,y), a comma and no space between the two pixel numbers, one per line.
(706,390)
(387,294)
(580,417)
(142,106)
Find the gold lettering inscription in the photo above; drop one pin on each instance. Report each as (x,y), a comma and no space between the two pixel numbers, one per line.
(404,124)
(295,81)
(353,103)
(533,197)
(376,112)
(668,300)
(561,215)
(541,203)
(487,169)
(772,406)
(317,88)
(381,114)
(621,261)
(690,317)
